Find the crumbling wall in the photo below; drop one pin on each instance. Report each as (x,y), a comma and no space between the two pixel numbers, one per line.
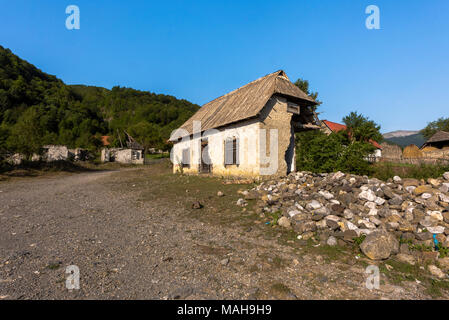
(390,151)
(79,154)
(125,156)
(274,116)
(55,153)
(15,159)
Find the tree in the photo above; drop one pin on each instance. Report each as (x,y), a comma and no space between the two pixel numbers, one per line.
(318,152)
(3,136)
(361,129)
(304,86)
(26,135)
(442,124)
(146,134)
(345,151)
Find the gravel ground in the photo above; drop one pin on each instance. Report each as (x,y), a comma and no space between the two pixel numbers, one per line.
(129,247)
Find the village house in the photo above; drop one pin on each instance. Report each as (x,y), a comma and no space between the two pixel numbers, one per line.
(249,132)
(439,140)
(134,153)
(329,127)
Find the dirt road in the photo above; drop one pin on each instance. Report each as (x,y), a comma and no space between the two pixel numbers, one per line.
(133,235)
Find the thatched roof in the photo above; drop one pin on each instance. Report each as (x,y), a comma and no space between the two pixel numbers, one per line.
(438,137)
(246,102)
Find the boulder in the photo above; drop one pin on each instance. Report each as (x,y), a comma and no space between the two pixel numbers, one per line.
(242,202)
(313,205)
(444,198)
(397,179)
(284,222)
(379,245)
(423,189)
(406,258)
(436,272)
(446,216)
(304,227)
(411,183)
(444,263)
(444,188)
(368,195)
(436,230)
(331,241)
(434,182)
(326,194)
(350,235)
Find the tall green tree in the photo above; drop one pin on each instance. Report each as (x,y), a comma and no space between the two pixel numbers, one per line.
(26,134)
(361,128)
(147,134)
(442,124)
(305,87)
(341,151)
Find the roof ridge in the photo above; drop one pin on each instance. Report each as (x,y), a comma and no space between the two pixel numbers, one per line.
(246,85)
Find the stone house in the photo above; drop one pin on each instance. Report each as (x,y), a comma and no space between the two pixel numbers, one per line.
(122,155)
(248,132)
(133,154)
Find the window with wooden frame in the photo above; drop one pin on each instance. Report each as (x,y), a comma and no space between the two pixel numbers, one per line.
(186,158)
(231,151)
(293,108)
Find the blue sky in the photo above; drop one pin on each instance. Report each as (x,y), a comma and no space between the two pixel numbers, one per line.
(198,50)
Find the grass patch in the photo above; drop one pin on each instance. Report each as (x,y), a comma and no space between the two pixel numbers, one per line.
(435,287)
(387,170)
(331,252)
(157,182)
(280,288)
(406,272)
(157,156)
(54,266)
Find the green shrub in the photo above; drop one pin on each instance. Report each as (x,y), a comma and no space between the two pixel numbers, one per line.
(318,152)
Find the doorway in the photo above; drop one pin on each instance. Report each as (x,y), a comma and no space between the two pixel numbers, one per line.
(205,162)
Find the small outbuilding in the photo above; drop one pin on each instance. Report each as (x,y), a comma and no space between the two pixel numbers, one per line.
(439,140)
(133,154)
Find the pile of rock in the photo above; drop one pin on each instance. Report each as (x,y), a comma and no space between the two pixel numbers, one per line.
(343,208)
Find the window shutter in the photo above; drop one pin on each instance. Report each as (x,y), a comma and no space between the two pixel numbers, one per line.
(186,157)
(236,151)
(228,152)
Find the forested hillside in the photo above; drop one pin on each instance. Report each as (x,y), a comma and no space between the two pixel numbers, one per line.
(416,139)
(38,109)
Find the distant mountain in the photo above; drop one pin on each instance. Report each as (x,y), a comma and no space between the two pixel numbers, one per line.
(405,138)
(399,133)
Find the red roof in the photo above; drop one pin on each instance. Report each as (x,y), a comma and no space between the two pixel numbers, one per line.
(105,140)
(336,127)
